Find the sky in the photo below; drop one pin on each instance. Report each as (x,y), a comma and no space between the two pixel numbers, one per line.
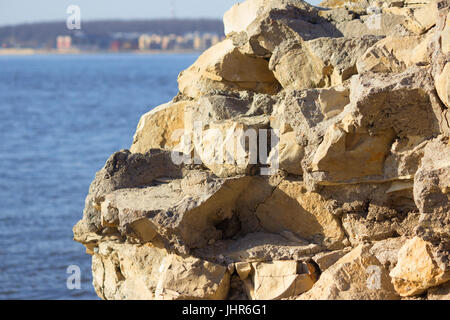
(27,11)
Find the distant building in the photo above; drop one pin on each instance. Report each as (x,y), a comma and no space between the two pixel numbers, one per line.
(115,45)
(189,41)
(63,43)
(147,42)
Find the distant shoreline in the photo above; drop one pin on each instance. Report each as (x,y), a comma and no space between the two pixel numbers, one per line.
(29,51)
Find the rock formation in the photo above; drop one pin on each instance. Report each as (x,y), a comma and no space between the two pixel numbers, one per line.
(307,156)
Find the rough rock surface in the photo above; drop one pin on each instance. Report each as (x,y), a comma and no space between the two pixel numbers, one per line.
(307,156)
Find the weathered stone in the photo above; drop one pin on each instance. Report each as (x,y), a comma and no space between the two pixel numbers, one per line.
(290,153)
(443,85)
(241,15)
(243,269)
(363,136)
(387,250)
(432,197)
(357,95)
(379,24)
(278,22)
(344,3)
(122,170)
(418,19)
(125,271)
(304,213)
(416,270)
(309,64)
(295,67)
(326,259)
(369,213)
(333,100)
(364,153)
(173,210)
(224,67)
(339,55)
(258,247)
(157,128)
(188,278)
(380,222)
(278,279)
(356,276)
(394,54)
(231,147)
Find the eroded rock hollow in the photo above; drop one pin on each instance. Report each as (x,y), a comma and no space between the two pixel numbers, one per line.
(307,156)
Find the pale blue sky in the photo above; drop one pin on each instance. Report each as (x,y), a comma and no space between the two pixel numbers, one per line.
(24,11)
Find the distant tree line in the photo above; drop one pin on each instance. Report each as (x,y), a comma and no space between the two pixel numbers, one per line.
(44,34)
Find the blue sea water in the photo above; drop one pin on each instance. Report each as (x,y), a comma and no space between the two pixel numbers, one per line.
(60,119)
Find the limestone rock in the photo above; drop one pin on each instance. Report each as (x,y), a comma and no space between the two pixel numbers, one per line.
(259,247)
(157,128)
(372,121)
(339,55)
(298,158)
(224,67)
(394,54)
(125,271)
(122,170)
(241,15)
(278,279)
(418,19)
(304,213)
(174,209)
(290,153)
(231,148)
(326,259)
(356,276)
(416,270)
(243,269)
(190,278)
(295,67)
(333,100)
(379,24)
(309,64)
(273,24)
(432,197)
(387,250)
(443,85)
(372,212)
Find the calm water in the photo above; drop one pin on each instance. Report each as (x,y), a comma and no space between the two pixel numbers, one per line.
(61,117)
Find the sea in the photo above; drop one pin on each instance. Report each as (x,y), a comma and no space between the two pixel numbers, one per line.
(61,117)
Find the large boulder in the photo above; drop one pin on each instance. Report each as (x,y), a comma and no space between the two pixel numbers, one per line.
(173,208)
(157,129)
(277,279)
(416,270)
(380,112)
(394,54)
(189,278)
(356,276)
(224,67)
(309,64)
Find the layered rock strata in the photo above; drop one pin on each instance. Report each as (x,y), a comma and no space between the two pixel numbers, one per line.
(307,156)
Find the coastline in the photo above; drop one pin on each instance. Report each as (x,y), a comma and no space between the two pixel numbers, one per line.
(30,51)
